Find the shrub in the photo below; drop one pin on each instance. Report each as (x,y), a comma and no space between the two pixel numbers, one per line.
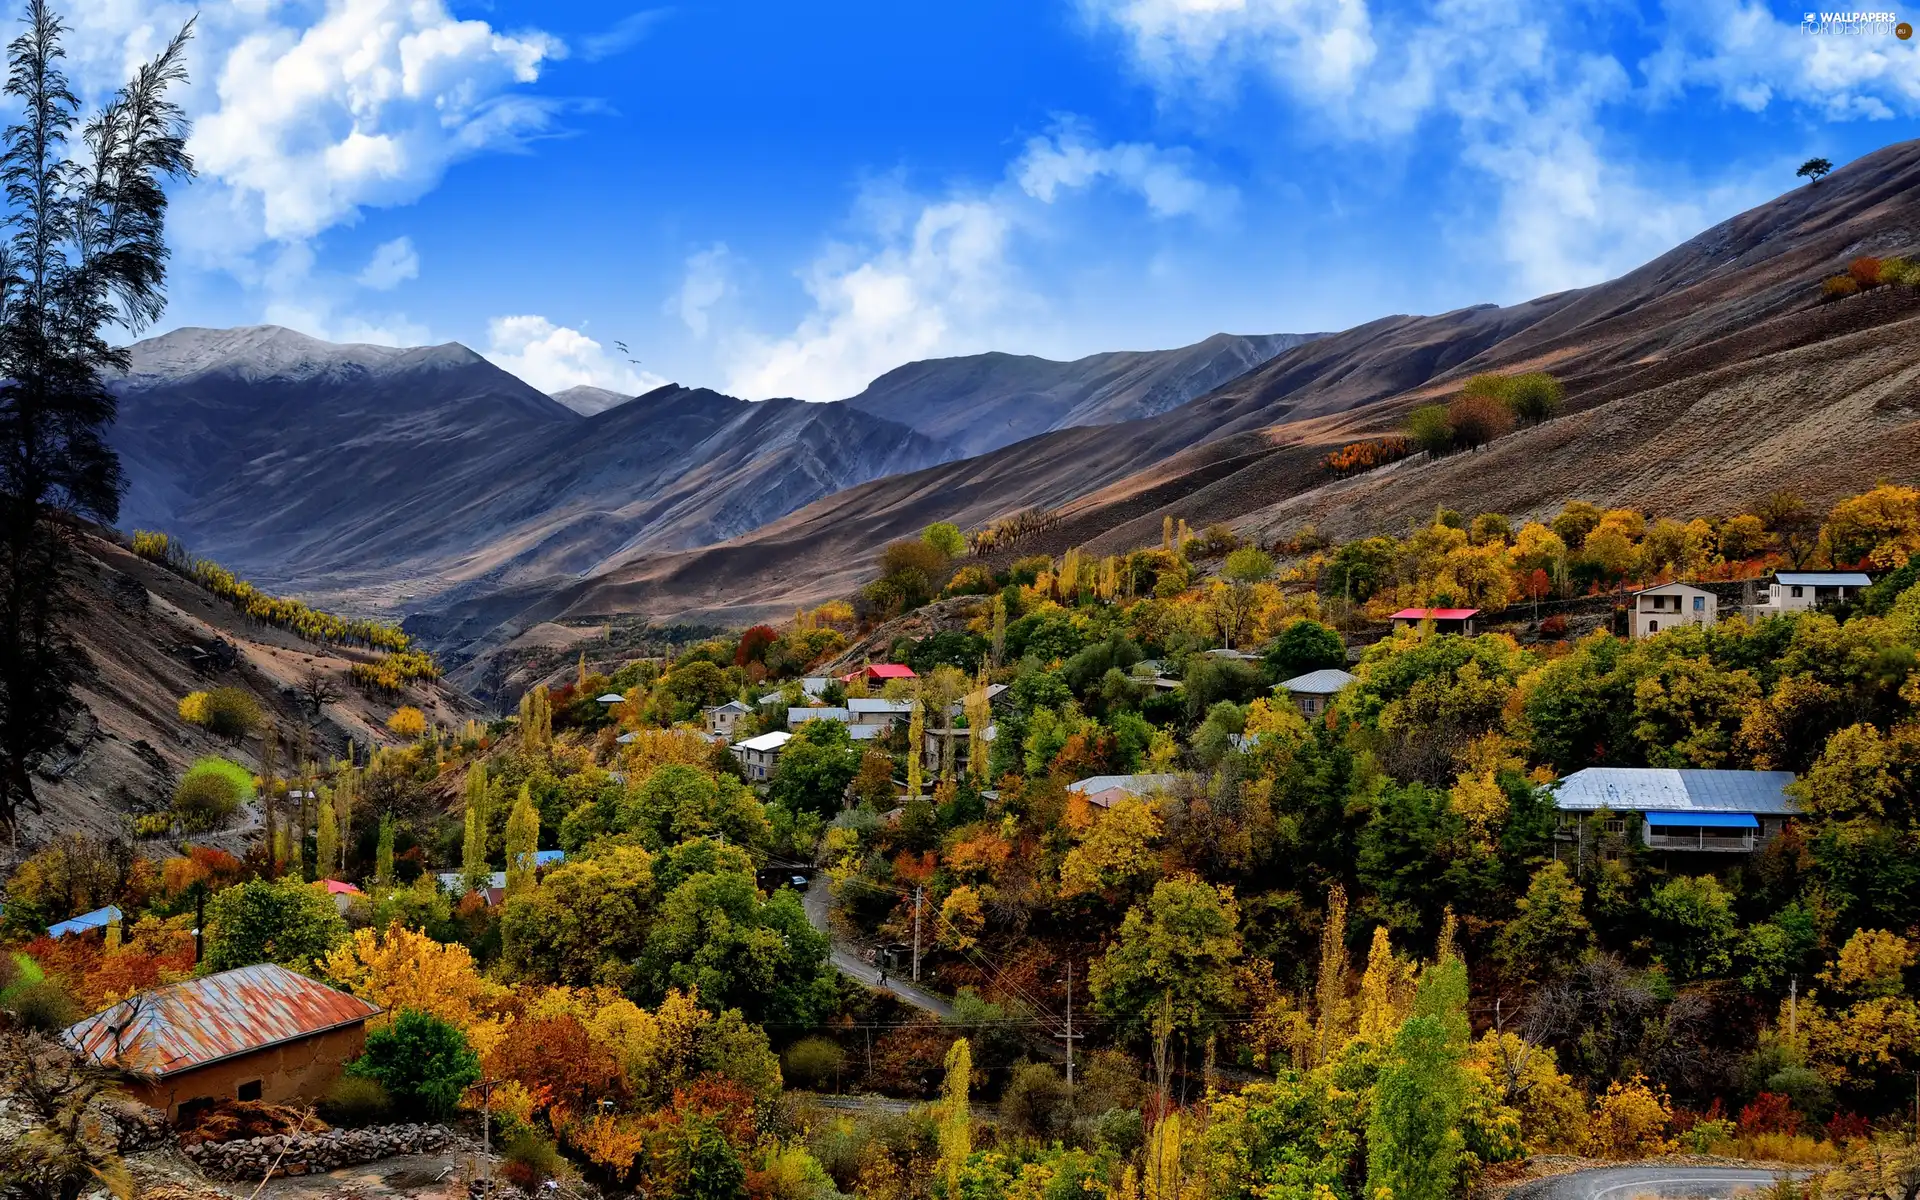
(1899,270)
(813,1062)
(1769,1113)
(530,1160)
(1865,271)
(1362,456)
(972,580)
(356,1100)
(1838,286)
(211,791)
(1535,396)
(152,825)
(1037,1101)
(1630,1121)
(1554,626)
(1429,428)
(423,1062)
(193,708)
(1847,1126)
(1477,420)
(231,713)
(41,1005)
(407,722)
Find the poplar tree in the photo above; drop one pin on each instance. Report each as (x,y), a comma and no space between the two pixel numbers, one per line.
(85,252)
(383,853)
(523,840)
(536,718)
(326,841)
(956,1118)
(916,743)
(1330,990)
(473,850)
(999,628)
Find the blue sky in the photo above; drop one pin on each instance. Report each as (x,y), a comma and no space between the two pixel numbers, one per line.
(783,199)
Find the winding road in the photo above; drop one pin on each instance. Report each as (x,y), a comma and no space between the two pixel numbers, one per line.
(848,962)
(1661,1182)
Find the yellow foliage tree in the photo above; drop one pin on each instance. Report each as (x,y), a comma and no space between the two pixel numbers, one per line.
(402,968)
(1386,991)
(1117,850)
(193,708)
(1527,1078)
(407,722)
(1630,1121)
(956,1120)
(961,919)
(523,840)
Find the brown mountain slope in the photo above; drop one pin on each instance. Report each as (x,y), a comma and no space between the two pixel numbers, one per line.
(1718,343)
(151,637)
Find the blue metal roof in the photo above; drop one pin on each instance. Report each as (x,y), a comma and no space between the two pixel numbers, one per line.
(1661,789)
(1709,820)
(546,858)
(99,918)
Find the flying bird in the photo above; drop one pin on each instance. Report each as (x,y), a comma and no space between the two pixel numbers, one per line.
(622,348)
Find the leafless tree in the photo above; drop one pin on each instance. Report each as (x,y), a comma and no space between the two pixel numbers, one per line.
(317,691)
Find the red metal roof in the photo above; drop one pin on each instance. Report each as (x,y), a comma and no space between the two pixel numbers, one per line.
(1437,614)
(188,1025)
(337,888)
(880,671)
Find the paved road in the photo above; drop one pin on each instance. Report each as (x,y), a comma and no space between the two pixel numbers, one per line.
(1664,1183)
(849,963)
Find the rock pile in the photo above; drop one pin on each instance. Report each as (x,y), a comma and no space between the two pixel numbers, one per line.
(309,1153)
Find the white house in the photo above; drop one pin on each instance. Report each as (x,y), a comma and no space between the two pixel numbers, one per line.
(761,755)
(721,718)
(878,713)
(1685,810)
(1672,604)
(1798,591)
(1312,692)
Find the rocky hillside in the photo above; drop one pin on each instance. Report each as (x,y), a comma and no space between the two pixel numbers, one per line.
(1698,382)
(984,401)
(151,636)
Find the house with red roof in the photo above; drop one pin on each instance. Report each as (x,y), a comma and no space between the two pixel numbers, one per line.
(879,673)
(1445,620)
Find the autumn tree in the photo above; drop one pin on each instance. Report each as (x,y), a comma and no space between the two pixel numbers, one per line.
(1548,933)
(1177,951)
(1414,1140)
(407,722)
(584,922)
(473,845)
(955,1121)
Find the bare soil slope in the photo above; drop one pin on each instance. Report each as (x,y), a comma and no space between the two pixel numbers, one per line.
(152,637)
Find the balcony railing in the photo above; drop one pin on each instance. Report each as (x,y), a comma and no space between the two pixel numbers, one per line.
(1739,843)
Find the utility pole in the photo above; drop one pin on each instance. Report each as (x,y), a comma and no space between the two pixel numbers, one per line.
(1070,1034)
(1793,1007)
(485,1088)
(918,894)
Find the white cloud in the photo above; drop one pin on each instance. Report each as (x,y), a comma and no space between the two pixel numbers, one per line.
(392,264)
(705,285)
(934,277)
(554,358)
(623,35)
(1068,159)
(368,106)
(1525,93)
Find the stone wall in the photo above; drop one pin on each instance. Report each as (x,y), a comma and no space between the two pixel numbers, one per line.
(311,1153)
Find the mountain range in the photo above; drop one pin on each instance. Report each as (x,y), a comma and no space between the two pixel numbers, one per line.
(387,478)
(429,482)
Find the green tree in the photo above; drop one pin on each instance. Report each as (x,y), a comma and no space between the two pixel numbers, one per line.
(473,845)
(87,251)
(714,1169)
(1549,933)
(283,921)
(584,922)
(1248,564)
(232,713)
(383,852)
(1693,927)
(211,791)
(815,769)
(1301,647)
(523,841)
(326,838)
(676,802)
(1429,428)
(1814,170)
(1414,1138)
(424,1063)
(1178,950)
(716,932)
(1535,396)
(945,537)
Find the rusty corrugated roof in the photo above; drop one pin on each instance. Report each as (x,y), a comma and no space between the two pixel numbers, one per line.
(187,1025)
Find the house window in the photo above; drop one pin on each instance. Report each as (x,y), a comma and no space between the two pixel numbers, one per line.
(250,1090)
(1614,825)
(1653,627)
(1699,604)
(1798,591)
